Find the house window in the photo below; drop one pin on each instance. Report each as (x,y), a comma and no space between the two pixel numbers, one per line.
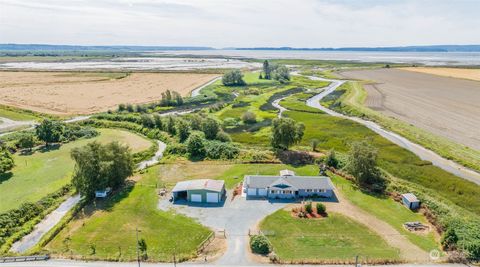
(273,191)
(309,190)
(287,191)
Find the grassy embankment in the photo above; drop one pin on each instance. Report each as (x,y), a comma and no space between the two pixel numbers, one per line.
(331,239)
(350,99)
(46,171)
(109,227)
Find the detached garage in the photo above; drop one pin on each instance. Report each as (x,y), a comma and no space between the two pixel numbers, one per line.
(199,191)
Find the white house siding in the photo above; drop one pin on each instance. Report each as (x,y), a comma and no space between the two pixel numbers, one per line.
(320,193)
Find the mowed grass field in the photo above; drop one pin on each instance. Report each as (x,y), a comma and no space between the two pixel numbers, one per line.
(69,93)
(111,227)
(386,209)
(44,172)
(335,238)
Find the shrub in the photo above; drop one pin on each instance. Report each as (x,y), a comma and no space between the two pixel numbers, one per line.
(259,244)
(308,207)
(223,137)
(211,128)
(221,150)
(249,117)
(314,143)
(321,209)
(331,159)
(233,78)
(176,149)
(196,145)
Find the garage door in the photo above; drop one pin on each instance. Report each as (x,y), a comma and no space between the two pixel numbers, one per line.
(262,192)
(196,198)
(212,197)
(252,192)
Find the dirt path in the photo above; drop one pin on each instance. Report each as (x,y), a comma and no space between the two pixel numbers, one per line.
(408,251)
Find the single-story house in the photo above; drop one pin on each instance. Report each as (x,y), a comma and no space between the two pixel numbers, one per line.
(287,185)
(200,191)
(410,201)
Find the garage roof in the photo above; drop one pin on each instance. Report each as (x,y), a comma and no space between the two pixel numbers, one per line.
(200,184)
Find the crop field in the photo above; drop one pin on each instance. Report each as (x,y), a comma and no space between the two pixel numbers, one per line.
(444,106)
(44,172)
(469,74)
(67,93)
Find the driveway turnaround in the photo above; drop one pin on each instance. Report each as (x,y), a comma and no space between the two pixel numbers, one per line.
(235,217)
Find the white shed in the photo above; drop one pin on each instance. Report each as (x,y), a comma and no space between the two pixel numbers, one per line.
(410,201)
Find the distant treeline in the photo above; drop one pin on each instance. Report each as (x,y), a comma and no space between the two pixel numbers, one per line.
(426,48)
(125,48)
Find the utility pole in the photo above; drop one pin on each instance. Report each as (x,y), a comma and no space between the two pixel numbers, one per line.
(138,248)
(174,257)
(356,261)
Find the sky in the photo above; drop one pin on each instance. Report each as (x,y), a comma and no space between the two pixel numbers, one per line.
(241,23)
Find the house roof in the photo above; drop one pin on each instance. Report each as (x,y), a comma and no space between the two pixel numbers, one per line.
(298,182)
(287,173)
(205,184)
(410,197)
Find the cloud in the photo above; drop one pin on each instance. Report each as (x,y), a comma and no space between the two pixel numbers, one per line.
(223,23)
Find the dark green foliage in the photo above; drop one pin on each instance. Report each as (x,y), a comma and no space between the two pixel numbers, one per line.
(170,126)
(158,121)
(249,117)
(182,129)
(463,234)
(6,160)
(321,209)
(221,150)
(72,132)
(142,247)
(362,164)
(49,131)
(176,149)
(449,239)
(100,166)
(331,159)
(286,132)
(130,108)
(122,107)
(211,128)
(147,121)
(196,145)
(296,158)
(26,141)
(233,78)
(282,74)
(259,244)
(308,207)
(171,98)
(195,122)
(223,137)
(267,70)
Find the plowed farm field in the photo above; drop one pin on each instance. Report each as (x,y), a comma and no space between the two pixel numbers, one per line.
(68,93)
(445,106)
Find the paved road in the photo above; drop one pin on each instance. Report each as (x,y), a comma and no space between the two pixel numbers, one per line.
(196,91)
(421,152)
(9,125)
(54,217)
(69,263)
(235,217)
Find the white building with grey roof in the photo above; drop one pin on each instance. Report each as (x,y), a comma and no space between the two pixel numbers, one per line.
(287,185)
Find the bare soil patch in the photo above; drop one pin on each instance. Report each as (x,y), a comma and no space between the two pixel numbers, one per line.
(470,74)
(67,93)
(444,106)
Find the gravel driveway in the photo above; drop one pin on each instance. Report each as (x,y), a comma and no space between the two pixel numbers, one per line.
(236,217)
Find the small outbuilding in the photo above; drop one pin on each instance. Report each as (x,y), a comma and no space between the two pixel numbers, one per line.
(103,193)
(200,191)
(410,201)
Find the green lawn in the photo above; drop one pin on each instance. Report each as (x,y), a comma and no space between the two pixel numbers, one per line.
(16,114)
(44,172)
(332,239)
(388,210)
(297,102)
(111,227)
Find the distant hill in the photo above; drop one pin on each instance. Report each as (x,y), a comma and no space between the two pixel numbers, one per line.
(427,48)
